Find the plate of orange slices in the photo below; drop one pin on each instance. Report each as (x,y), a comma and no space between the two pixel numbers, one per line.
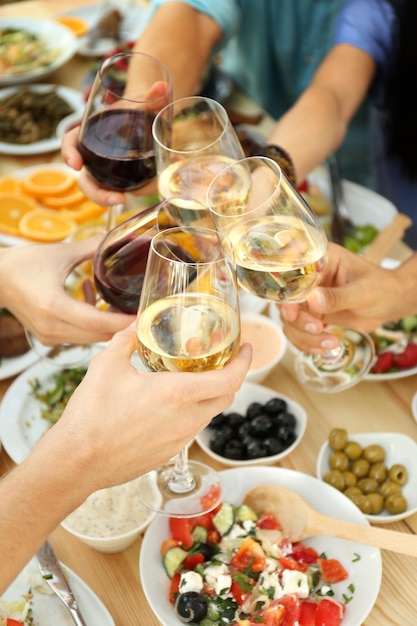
(44,204)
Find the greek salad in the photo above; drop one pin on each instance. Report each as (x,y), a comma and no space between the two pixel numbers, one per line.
(395,346)
(235,566)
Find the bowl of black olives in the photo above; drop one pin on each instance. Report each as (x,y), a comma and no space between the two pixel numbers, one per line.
(261,427)
(375,470)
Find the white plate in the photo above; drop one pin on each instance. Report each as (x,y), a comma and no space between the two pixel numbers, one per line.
(364,205)
(12,240)
(250,303)
(48,610)
(132,26)
(57,36)
(71,96)
(14,365)
(21,424)
(364,573)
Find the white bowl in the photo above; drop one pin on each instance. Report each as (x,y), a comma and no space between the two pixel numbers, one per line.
(248,394)
(398,448)
(102,521)
(268,342)
(364,572)
(58,38)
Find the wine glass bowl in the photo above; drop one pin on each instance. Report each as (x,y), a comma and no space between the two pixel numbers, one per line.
(188,321)
(194,139)
(115,137)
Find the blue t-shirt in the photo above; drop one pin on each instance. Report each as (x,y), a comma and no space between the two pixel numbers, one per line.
(271,48)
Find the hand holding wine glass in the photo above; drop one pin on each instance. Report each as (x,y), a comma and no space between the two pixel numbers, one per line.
(188,321)
(280,252)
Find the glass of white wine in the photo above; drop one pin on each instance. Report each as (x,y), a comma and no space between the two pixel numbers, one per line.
(194,139)
(280,252)
(188,321)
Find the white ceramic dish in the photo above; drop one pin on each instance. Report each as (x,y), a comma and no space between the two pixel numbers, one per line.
(48,610)
(399,448)
(58,37)
(268,342)
(248,393)
(21,423)
(414,406)
(134,23)
(364,573)
(11,240)
(14,365)
(71,96)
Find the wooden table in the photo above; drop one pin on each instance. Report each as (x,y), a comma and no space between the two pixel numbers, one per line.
(370,406)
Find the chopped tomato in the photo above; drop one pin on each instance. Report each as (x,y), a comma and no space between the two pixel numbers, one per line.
(268,521)
(249,556)
(213,537)
(212,497)
(328,613)
(241,588)
(13,622)
(181,529)
(191,562)
(303,553)
(288,563)
(308,613)
(303,186)
(167,544)
(292,610)
(174,587)
(332,570)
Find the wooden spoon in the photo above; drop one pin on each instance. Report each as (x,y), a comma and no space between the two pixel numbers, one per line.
(299,521)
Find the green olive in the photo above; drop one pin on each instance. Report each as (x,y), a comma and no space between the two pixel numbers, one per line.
(363,503)
(396,503)
(350,479)
(338,460)
(379,472)
(388,489)
(374,453)
(367,485)
(360,468)
(398,474)
(335,479)
(352,491)
(352,450)
(377,503)
(338,438)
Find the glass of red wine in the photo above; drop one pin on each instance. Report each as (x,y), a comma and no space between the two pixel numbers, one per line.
(115,137)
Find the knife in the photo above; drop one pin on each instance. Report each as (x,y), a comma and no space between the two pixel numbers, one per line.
(55,577)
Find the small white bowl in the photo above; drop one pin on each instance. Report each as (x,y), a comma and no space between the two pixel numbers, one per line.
(268,342)
(247,395)
(101,521)
(414,406)
(398,448)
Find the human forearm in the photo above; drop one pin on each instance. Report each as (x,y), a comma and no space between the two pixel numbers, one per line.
(182,38)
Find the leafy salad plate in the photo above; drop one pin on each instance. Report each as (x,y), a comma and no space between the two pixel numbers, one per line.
(363,563)
(45,607)
(14,365)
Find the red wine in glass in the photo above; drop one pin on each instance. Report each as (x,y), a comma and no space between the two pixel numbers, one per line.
(117,147)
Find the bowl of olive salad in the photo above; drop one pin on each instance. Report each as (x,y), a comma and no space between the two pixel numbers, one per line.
(375,470)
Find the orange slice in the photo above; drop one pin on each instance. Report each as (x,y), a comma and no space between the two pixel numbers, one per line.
(10,184)
(84,212)
(47,182)
(13,207)
(73,195)
(45,225)
(78,26)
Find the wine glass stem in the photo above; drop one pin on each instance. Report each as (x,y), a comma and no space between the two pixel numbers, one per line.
(181,480)
(335,358)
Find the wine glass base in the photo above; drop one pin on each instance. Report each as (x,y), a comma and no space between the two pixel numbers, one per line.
(331,376)
(204,496)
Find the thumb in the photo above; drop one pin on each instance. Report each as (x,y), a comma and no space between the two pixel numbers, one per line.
(325,300)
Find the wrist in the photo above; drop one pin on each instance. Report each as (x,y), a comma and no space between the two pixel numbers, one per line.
(283,159)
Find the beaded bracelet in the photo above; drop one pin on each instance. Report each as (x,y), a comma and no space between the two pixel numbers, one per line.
(280,156)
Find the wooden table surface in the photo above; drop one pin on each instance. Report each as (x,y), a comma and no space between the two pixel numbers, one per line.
(370,406)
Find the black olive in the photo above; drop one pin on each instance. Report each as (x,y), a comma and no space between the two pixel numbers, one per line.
(234,420)
(275,406)
(287,419)
(254,409)
(224,431)
(274,445)
(286,435)
(206,550)
(218,443)
(191,607)
(244,429)
(256,449)
(218,421)
(261,425)
(234,449)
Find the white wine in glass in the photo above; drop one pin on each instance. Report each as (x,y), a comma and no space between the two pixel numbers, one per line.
(280,252)
(188,321)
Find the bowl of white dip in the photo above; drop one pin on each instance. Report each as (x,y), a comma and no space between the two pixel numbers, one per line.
(111,519)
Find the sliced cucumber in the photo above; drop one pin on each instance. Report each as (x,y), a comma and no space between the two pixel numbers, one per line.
(244,513)
(173,558)
(224,518)
(199,534)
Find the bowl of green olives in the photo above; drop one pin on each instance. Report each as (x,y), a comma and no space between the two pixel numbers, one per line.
(261,427)
(374,470)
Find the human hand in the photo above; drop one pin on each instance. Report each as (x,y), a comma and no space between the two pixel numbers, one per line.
(32,279)
(353,292)
(123,422)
